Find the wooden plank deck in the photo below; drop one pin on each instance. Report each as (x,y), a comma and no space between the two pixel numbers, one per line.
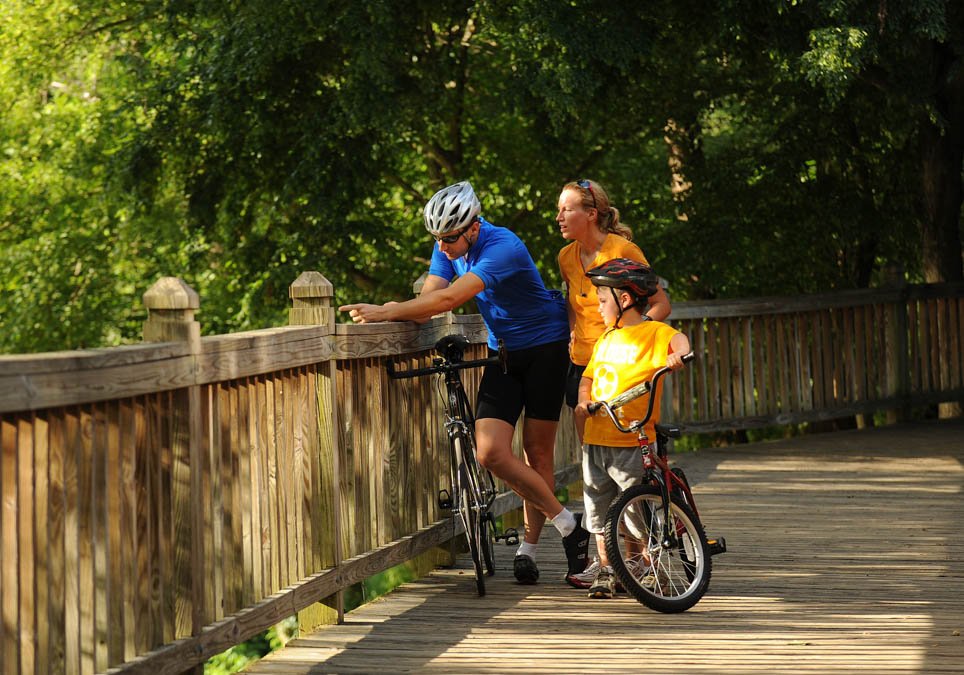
(845,556)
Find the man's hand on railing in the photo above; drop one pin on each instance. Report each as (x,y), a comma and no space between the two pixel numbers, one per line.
(364,313)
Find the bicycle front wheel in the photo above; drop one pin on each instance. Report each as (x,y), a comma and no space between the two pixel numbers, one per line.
(667,576)
(469,511)
(484,487)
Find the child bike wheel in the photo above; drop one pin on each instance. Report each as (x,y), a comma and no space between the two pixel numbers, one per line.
(666,579)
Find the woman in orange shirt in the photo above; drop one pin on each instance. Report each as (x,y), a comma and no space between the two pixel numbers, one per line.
(591,223)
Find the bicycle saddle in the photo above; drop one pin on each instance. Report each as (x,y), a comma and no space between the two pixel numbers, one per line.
(670,430)
(452,347)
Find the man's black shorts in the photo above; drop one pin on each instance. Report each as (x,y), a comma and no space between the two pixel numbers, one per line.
(535,382)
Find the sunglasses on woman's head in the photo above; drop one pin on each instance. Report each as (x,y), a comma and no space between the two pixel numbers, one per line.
(585,184)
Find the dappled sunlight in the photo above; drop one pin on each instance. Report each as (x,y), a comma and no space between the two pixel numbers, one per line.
(839,560)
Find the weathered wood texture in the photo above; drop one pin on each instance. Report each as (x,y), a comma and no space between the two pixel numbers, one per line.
(845,557)
(156,492)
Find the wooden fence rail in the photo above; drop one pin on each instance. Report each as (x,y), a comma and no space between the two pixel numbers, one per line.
(777,361)
(162,502)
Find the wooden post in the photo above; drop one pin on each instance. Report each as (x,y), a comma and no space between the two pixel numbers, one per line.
(898,363)
(311,305)
(311,295)
(417,291)
(171,305)
(417,286)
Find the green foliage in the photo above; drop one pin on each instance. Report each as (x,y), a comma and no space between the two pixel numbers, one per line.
(239,144)
(237,658)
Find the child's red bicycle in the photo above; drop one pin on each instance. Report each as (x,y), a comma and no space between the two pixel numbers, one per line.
(654,538)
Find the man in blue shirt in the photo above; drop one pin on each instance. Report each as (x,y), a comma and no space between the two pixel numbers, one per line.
(494,267)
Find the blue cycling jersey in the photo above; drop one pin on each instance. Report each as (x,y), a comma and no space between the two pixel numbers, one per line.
(515,305)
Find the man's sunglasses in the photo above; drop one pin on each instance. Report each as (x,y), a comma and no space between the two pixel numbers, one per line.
(586,185)
(452,238)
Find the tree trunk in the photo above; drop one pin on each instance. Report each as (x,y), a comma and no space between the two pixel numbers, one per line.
(942,159)
(683,150)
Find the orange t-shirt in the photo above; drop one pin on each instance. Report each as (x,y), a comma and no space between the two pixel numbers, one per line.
(586,323)
(624,357)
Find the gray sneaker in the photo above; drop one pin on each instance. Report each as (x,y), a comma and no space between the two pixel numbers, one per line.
(657,581)
(604,585)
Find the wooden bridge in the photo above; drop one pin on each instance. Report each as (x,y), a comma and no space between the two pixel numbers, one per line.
(846,556)
(162,502)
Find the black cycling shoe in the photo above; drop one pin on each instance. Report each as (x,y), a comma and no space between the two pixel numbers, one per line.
(525,570)
(576,544)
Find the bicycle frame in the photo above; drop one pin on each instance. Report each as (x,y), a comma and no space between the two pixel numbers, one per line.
(459,420)
(654,538)
(472,488)
(655,465)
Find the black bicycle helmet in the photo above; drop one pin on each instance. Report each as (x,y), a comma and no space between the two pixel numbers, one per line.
(639,279)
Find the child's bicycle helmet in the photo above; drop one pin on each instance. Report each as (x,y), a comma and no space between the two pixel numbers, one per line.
(639,280)
(629,275)
(452,208)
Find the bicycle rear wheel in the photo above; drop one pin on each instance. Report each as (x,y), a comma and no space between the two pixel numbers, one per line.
(469,511)
(666,579)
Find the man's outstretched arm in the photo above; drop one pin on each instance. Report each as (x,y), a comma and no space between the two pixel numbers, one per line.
(437,296)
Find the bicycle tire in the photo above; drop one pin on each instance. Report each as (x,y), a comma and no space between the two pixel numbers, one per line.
(469,512)
(485,490)
(674,579)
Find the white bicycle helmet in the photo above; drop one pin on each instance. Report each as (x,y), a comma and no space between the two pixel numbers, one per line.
(451,209)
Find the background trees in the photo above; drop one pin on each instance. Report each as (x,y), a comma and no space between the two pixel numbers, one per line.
(756,148)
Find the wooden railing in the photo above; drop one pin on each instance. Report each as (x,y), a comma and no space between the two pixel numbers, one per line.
(778,361)
(162,502)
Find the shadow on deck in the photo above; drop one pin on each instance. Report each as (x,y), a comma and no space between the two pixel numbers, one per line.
(845,555)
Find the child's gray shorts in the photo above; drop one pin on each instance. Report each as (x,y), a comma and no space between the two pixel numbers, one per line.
(606,472)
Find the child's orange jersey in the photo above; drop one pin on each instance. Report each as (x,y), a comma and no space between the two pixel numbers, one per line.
(621,359)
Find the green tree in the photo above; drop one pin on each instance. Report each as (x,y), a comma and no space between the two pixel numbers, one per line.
(891,83)
(237,144)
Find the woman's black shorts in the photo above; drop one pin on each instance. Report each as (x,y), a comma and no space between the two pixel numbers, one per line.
(573,377)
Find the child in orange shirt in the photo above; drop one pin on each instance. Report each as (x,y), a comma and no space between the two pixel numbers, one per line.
(630,350)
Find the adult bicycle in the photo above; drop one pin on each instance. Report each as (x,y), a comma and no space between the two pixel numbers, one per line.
(471,488)
(654,537)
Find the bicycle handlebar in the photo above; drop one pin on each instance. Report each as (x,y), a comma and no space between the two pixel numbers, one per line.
(634,393)
(443,366)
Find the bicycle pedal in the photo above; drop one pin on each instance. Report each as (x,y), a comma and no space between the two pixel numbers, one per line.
(444,499)
(717,545)
(510,536)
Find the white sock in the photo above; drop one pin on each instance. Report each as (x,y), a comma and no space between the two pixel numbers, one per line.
(528,549)
(564,522)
